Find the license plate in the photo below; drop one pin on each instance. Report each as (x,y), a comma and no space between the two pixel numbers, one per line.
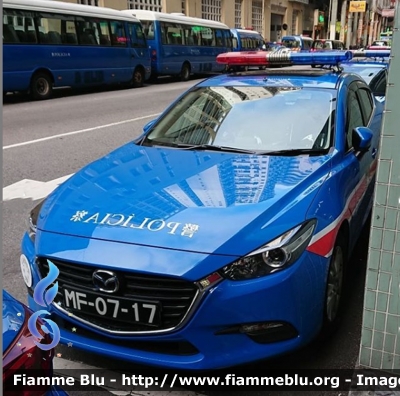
(118,308)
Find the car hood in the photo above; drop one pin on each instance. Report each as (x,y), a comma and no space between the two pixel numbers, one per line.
(199,201)
(13,319)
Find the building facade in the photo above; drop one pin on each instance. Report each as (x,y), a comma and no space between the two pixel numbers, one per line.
(272,18)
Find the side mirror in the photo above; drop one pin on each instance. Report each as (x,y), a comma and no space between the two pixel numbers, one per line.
(147,127)
(362,138)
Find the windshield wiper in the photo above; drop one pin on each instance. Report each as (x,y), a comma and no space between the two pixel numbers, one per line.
(212,148)
(188,146)
(294,152)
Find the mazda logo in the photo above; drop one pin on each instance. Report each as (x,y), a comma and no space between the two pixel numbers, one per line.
(105,281)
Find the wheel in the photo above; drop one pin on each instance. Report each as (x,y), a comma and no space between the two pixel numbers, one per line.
(138,78)
(185,72)
(333,303)
(41,86)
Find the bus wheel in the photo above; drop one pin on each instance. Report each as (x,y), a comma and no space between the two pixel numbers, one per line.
(41,86)
(138,78)
(185,72)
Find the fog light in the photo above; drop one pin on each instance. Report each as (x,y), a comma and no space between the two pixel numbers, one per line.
(259,328)
(264,333)
(26,270)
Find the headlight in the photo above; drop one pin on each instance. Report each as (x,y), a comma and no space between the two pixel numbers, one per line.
(274,256)
(33,217)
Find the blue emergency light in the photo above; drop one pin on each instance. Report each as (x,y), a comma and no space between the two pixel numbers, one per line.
(372,54)
(260,58)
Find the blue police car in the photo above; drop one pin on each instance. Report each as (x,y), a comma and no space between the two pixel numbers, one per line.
(221,235)
(372,66)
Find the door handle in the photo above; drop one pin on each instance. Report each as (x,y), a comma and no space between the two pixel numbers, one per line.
(374,152)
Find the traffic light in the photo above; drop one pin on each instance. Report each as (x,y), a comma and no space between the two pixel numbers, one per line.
(321,17)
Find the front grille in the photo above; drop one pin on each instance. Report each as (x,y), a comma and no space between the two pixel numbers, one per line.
(175,295)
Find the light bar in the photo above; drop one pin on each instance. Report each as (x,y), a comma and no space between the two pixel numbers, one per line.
(372,54)
(260,58)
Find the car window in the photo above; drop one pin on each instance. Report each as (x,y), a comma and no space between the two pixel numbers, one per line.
(378,84)
(366,102)
(354,117)
(322,45)
(251,118)
(307,44)
(291,43)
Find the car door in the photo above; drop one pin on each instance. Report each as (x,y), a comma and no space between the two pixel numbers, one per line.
(360,112)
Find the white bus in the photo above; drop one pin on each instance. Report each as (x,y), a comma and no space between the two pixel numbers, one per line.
(182,45)
(50,44)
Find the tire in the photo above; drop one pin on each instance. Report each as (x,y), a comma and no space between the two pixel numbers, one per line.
(138,78)
(41,86)
(185,72)
(335,287)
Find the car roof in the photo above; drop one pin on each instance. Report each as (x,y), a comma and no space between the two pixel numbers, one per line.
(297,37)
(366,70)
(366,64)
(307,78)
(325,40)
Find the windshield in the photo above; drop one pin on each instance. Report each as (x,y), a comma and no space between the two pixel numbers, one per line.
(249,118)
(291,43)
(322,45)
(367,73)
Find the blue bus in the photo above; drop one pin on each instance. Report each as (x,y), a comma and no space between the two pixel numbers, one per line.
(182,45)
(246,40)
(48,44)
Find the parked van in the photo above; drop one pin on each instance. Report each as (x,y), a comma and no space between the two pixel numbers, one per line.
(297,43)
(322,44)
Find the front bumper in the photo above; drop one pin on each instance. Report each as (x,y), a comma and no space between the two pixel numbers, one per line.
(208,340)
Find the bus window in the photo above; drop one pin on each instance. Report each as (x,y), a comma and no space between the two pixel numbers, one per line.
(88,33)
(235,44)
(118,36)
(148,29)
(9,32)
(219,38)
(54,29)
(136,35)
(18,27)
(104,32)
(172,33)
(207,37)
(229,39)
(192,35)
